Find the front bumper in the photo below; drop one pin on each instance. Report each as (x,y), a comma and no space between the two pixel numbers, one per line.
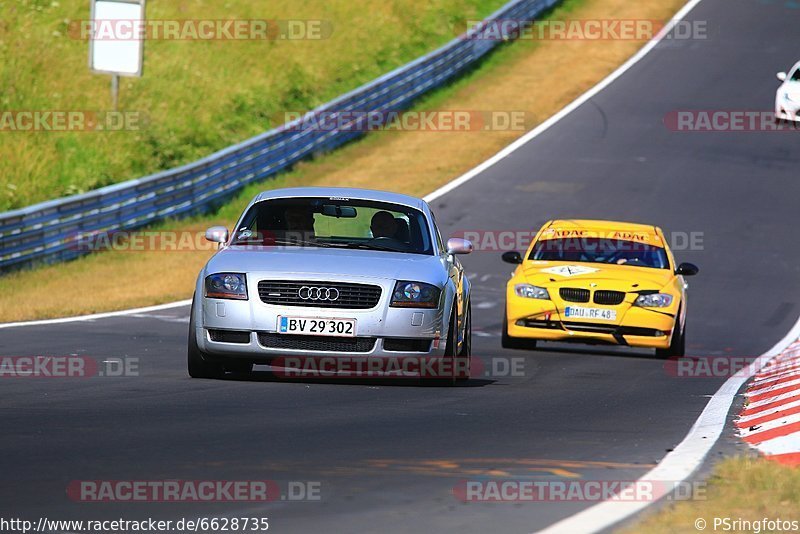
(787,110)
(247,329)
(542,319)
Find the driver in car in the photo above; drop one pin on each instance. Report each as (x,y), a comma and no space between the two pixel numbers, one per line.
(383,225)
(299,225)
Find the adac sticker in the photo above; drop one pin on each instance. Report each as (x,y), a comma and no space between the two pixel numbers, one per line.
(570,270)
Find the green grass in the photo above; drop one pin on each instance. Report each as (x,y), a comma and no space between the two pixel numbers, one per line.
(197,97)
(744,488)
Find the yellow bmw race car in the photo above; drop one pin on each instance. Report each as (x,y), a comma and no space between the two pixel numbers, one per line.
(597,282)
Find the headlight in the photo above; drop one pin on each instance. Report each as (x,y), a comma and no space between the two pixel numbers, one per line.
(415,295)
(654,300)
(226,286)
(531,292)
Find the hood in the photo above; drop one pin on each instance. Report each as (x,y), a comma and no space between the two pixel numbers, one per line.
(332,262)
(606,276)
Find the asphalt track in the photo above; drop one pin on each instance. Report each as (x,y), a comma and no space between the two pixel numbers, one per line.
(387,455)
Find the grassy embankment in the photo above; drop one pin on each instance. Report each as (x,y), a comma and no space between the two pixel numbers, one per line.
(537,77)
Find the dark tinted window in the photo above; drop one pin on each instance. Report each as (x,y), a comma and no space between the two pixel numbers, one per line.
(600,250)
(335,223)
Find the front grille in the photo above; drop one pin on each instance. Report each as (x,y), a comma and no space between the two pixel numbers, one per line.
(597,328)
(611,298)
(397,344)
(287,293)
(229,336)
(316,343)
(573,294)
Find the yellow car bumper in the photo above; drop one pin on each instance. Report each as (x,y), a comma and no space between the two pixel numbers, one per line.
(541,319)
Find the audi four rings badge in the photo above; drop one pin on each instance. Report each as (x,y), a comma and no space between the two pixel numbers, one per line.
(318,293)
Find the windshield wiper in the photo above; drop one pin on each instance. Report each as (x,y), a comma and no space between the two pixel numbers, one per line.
(295,243)
(369,246)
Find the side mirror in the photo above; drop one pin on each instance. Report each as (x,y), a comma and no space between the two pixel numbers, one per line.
(687,269)
(782,76)
(456,245)
(512,256)
(217,234)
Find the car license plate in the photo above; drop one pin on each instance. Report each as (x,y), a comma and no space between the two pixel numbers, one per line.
(590,313)
(317,326)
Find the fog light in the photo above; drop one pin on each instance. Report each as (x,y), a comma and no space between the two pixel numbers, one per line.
(658,333)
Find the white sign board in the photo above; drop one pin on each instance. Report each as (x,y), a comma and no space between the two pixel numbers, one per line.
(113,47)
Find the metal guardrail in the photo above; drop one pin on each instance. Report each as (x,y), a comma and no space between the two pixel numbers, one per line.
(48,232)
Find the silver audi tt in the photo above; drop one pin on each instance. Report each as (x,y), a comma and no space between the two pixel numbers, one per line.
(331,273)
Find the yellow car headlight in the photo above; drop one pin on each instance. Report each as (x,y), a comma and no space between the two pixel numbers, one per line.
(654,300)
(529,291)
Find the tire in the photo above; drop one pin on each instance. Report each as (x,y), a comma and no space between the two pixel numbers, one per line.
(197,366)
(449,354)
(516,343)
(464,360)
(677,347)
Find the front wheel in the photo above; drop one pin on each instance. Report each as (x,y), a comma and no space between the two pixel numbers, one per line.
(464,359)
(451,355)
(677,347)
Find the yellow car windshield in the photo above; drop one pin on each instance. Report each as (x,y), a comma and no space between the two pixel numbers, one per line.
(600,250)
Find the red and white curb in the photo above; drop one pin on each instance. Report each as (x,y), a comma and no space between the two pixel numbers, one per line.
(770,418)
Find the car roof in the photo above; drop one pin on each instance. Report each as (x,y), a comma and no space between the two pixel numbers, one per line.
(604,228)
(343,192)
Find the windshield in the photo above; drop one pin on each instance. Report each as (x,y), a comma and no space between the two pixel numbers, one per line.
(600,250)
(340,223)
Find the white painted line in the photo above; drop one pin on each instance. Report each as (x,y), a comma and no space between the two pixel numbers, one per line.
(605,82)
(96,316)
(684,460)
(677,465)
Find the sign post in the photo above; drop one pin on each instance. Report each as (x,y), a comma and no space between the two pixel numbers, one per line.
(116,41)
